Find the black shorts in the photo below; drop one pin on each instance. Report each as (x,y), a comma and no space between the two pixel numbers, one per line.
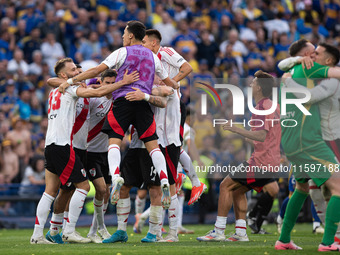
(97,166)
(137,169)
(124,113)
(183,117)
(82,154)
(335,147)
(251,177)
(171,154)
(64,162)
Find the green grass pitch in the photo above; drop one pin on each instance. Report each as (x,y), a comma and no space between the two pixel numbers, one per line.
(17,242)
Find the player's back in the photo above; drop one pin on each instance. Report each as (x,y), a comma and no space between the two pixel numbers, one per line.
(307,132)
(141,59)
(61,115)
(329,111)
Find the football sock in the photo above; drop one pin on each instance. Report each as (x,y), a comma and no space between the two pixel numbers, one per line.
(180,209)
(56,223)
(43,210)
(173,215)
(65,219)
(159,163)
(332,220)
(316,219)
(113,157)
(123,211)
(139,204)
(265,204)
(318,200)
(220,225)
(76,206)
(292,212)
(189,169)
(241,227)
(155,220)
(283,207)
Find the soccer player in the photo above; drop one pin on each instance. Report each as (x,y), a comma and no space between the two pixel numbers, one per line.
(138,171)
(266,137)
(133,56)
(327,95)
(306,149)
(62,165)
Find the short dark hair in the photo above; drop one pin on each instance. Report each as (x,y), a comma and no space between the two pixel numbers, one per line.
(137,28)
(78,66)
(154,33)
(61,64)
(108,73)
(333,51)
(266,82)
(296,46)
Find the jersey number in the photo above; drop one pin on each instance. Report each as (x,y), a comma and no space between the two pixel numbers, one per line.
(145,67)
(54,101)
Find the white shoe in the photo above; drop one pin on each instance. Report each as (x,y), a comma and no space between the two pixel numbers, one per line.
(211,236)
(169,239)
(319,230)
(75,237)
(117,183)
(40,240)
(183,230)
(235,237)
(104,234)
(279,222)
(94,238)
(166,198)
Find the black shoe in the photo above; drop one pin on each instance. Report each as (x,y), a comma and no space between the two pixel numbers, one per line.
(261,232)
(254,228)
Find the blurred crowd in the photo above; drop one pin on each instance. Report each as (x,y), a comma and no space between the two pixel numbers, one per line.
(228,40)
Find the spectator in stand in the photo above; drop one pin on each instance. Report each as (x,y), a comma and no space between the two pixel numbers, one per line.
(20,31)
(91,47)
(17,63)
(22,108)
(166,28)
(30,44)
(32,16)
(227,64)
(34,175)
(104,37)
(10,168)
(52,51)
(207,49)
(9,98)
(331,11)
(144,18)
(185,37)
(51,25)
(254,60)
(130,13)
(36,112)
(251,12)
(36,66)
(7,44)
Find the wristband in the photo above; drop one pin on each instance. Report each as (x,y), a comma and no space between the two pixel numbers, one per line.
(147,97)
(70,81)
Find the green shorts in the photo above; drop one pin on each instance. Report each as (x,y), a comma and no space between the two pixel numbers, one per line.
(317,163)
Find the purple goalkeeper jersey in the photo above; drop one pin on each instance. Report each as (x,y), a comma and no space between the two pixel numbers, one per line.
(141,59)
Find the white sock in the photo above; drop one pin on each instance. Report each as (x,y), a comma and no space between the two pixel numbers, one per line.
(189,169)
(173,215)
(145,214)
(123,211)
(155,221)
(94,225)
(220,225)
(241,227)
(159,163)
(98,211)
(318,200)
(56,223)
(105,207)
(316,224)
(43,210)
(113,157)
(180,210)
(65,219)
(76,206)
(139,204)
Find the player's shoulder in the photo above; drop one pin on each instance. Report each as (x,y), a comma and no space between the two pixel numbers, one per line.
(265,104)
(167,51)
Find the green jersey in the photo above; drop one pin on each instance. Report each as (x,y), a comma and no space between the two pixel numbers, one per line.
(307,132)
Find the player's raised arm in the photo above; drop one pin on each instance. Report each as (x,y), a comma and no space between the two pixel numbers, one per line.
(258,135)
(104,90)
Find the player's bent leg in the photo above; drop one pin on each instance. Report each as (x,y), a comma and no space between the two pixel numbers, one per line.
(292,211)
(114,157)
(240,210)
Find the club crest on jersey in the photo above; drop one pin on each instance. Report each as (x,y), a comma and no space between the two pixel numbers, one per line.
(68,184)
(93,172)
(83,172)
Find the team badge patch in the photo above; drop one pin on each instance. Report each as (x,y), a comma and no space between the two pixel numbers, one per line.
(93,172)
(83,172)
(68,184)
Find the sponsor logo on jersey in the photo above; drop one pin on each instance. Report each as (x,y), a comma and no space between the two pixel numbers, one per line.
(83,172)
(100,106)
(93,172)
